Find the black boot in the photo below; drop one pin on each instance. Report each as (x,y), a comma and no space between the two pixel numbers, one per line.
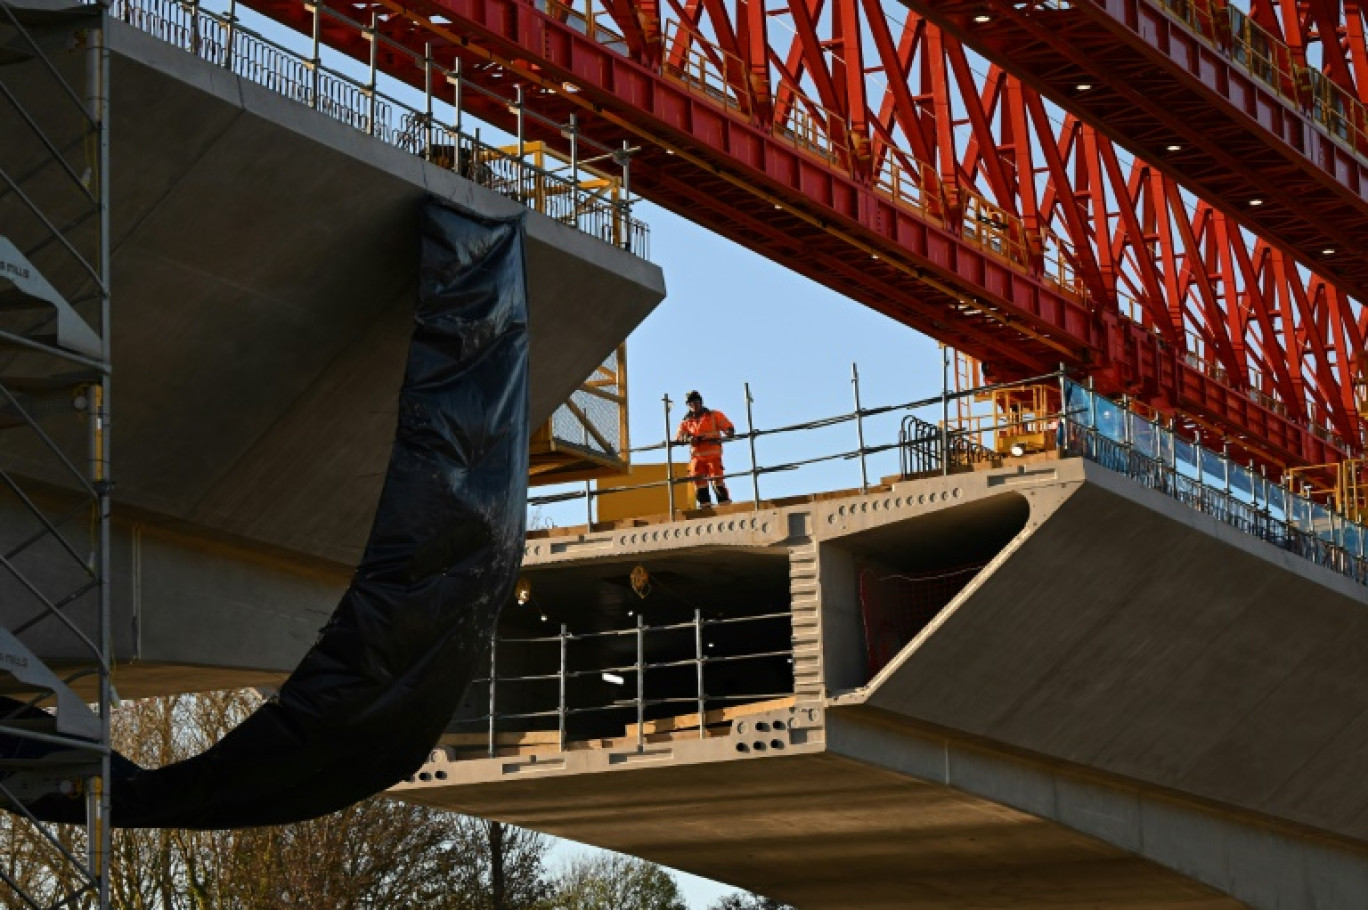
(723,497)
(704,498)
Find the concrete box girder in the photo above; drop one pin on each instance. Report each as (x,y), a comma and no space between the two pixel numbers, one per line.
(265,267)
(1108,614)
(264,276)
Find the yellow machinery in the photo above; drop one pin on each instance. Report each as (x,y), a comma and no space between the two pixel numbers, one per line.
(1026,419)
(642,492)
(590,199)
(586,437)
(1345,484)
(1018,420)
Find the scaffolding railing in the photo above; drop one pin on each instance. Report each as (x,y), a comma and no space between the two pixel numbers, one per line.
(582,194)
(908,443)
(1085,425)
(544,690)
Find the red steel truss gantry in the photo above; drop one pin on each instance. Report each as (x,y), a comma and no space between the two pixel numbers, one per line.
(859,144)
(1257,110)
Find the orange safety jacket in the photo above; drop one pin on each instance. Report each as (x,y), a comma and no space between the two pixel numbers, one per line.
(705,431)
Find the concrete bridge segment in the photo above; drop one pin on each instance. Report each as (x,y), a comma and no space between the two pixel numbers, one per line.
(265,266)
(1131,705)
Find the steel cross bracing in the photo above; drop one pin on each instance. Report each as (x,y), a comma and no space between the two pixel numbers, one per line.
(1256,109)
(55,488)
(862,146)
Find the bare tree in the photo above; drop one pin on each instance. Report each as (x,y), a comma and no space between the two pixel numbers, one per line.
(378,853)
(503,867)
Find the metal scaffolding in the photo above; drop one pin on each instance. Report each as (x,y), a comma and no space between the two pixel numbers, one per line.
(54,447)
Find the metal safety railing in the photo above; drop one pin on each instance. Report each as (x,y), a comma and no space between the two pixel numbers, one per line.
(576,191)
(915,442)
(928,448)
(1087,425)
(668,676)
(1270,60)
(1210,482)
(860,453)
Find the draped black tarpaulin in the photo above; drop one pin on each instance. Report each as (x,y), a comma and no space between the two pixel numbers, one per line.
(370,699)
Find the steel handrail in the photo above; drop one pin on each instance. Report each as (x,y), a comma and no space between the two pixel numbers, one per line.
(364,107)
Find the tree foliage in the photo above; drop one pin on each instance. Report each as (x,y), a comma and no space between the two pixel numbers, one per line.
(611,881)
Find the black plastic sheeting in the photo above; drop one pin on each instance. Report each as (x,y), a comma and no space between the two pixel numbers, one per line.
(370,699)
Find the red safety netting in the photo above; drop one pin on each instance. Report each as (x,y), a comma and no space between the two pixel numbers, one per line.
(895,606)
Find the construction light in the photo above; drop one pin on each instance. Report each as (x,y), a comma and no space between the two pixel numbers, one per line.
(522,591)
(1256,202)
(1328,251)
(613,678)
(982,18)
(1018,449)
(1084,86)
(1173,147)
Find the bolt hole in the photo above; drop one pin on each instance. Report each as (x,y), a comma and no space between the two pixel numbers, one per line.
(742,747)
(776,744)
(759,746)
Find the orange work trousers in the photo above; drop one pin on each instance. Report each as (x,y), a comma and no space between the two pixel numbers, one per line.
(701,467)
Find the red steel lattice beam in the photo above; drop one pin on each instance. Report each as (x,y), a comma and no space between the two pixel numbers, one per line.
(951,199)
(1222,101)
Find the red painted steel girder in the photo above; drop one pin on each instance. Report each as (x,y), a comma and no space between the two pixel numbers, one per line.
(941,195)
(1217,99)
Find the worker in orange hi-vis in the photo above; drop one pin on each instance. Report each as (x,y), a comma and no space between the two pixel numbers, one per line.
(703,430)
